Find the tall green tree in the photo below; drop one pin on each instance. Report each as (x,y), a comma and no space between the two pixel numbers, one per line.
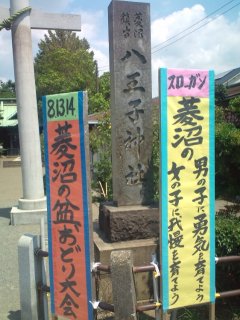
(7,89)
(64,63)
(99,102)
(104,85)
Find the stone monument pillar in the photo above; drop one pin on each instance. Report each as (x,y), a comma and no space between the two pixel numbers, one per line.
(130,216)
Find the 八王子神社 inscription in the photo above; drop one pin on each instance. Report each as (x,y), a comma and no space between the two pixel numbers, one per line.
(131,94)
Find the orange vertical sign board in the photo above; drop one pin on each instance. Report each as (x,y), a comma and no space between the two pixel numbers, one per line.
(67,207)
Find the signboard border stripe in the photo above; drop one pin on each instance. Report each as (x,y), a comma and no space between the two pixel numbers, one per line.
(212,183)
(45,126)
(81,97)
(164,182)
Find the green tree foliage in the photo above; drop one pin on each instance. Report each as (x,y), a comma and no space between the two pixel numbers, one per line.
(227,150)
(99,102)
(234,105)
(62,39)
(7,89)
(220,94)
(228,244)
(104,85)
(100,138)
(64,63)
(228,231)
(227,147)
(100,143)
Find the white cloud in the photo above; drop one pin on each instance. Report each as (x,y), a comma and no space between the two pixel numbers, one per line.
(45,5)
(92,30)
(102,59)
(214,46)
(51,6)
(164,28)
(91,22)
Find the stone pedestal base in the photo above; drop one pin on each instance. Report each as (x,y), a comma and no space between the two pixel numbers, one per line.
(36,204)
(142,255)
(128,222)
(29,211)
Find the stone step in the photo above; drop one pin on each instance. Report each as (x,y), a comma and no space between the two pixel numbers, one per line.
(11,163)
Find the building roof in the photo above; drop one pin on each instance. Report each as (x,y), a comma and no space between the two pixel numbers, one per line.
(228,78)
(95,118)
(8,113)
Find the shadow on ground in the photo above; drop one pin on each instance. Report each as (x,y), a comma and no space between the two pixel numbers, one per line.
(14,315)
(5,213)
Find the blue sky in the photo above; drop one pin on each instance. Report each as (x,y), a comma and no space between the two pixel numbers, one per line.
(215,46)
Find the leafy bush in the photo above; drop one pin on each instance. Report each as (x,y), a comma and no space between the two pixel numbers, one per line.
(228,243)
(100,142)
(228,231)
(234,105)
(102,181)
(227,151)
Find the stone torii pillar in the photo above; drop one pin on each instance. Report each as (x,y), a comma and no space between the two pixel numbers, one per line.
(33,204)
